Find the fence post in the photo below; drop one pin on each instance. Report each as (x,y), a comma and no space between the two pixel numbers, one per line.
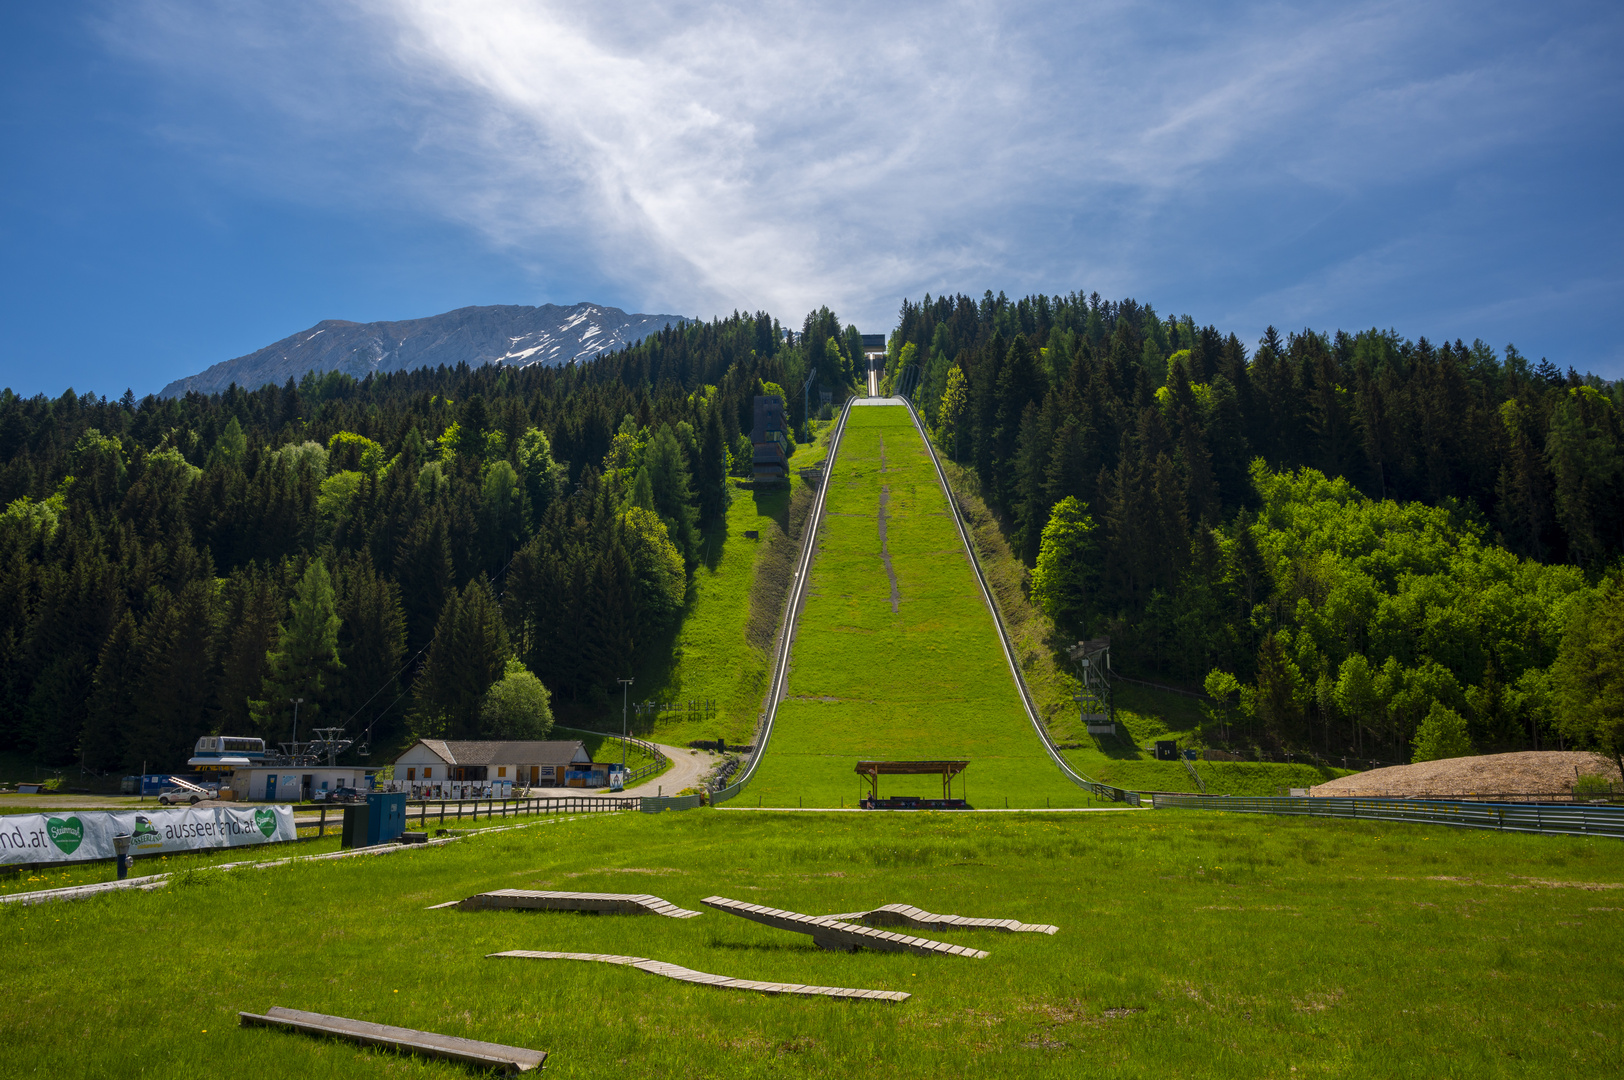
(321,827)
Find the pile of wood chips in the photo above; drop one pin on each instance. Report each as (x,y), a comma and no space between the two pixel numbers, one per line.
(1528,772)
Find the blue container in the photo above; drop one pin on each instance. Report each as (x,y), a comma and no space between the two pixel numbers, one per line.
(386,816)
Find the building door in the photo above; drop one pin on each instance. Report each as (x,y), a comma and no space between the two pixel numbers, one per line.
(270,788)
(535,775)
(304,787)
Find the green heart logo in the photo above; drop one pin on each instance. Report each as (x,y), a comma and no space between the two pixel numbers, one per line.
(266,820)
(67,834)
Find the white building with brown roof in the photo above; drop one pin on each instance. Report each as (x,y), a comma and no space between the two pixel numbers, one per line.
(460,768)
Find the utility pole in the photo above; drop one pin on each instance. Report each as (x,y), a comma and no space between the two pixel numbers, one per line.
(296,701)
(625,730)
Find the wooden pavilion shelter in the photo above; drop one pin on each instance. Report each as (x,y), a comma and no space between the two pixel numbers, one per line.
(873,770)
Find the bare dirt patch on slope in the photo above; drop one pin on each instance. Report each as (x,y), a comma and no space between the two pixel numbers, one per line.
(1527,772)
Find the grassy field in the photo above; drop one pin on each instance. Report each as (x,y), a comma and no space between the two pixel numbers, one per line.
(1190,945)
(922,677)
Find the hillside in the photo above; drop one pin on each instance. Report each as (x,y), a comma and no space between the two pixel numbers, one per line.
(896,656)
(507,334)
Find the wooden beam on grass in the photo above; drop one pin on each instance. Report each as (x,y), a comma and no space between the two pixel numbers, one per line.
(918,919)
(598,903)
(827,933)
(720,982)
(513,1059)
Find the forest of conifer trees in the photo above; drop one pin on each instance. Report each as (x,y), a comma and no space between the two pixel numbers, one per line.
(1337,536)
(385,549)
(1334,534)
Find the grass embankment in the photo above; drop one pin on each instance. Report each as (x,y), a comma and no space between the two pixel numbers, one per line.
(720,648)
(1190,944)
(1143,713)
(924,681)
(603,747)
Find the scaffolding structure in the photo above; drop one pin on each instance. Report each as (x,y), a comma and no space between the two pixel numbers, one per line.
(1093,660)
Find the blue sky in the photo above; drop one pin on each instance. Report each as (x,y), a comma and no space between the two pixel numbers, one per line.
(184,182)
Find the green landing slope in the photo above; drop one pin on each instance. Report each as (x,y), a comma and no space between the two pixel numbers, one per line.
(912,674)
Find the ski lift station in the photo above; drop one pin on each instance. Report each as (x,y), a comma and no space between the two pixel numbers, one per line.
(253,774)
(245,770)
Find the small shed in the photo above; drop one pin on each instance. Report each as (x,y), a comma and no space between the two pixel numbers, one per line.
(460,768)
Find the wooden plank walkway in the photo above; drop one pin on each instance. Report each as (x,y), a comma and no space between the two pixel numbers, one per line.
(543,900)
(491,1055)
(919,919)
(721,982)
(839,936)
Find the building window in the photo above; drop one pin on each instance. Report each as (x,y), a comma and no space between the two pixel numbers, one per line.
(411,774)
(428,774)
(501,770)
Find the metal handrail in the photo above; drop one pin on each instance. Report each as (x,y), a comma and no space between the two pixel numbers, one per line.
(1094,787)
(792,613)
(1501,817)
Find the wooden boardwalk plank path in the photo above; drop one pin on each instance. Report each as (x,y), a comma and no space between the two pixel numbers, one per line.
(601,903)
(450,1047)
(721,982)
(919,919)
(827,933)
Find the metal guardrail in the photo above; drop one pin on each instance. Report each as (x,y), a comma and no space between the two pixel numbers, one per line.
(1547,818)
(1092,786)
(653,804)
(786,633)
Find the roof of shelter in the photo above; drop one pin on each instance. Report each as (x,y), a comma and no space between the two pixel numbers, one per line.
(911,768)
(505,751)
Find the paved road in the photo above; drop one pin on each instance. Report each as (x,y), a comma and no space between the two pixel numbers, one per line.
(687,767)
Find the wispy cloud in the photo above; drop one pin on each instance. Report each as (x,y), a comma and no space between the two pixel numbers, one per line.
(780,155)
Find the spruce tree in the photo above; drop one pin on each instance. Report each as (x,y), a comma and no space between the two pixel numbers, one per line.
(469,652)
(305,661)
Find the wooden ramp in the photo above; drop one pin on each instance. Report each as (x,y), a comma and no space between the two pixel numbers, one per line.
(839,936)
(450,1047)
(721,982)
(907,915)
(601,903)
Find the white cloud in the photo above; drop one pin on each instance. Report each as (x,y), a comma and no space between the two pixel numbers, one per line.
(780,155)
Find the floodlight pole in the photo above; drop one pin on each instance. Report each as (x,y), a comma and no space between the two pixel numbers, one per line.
(625,731)
(296,702)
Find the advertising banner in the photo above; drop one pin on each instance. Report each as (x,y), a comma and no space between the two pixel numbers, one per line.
(75,836)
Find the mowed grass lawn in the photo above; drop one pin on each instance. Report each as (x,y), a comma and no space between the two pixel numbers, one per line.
(1191,944)
(925,681)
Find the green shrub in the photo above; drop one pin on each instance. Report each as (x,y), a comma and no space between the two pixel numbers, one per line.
(1441,735)
(1592,784)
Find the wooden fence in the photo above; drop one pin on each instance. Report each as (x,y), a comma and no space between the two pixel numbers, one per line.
(440,811)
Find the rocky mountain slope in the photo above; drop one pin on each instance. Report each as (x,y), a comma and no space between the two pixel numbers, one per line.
(509,334)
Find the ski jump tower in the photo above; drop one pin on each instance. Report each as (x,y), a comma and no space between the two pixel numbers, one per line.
(1093,660)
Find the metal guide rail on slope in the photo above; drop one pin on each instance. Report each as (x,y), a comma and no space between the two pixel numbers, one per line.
(1094,787)
(1501,817)
(792,614)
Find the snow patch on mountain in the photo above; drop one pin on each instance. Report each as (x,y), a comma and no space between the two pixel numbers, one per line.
(508,334)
